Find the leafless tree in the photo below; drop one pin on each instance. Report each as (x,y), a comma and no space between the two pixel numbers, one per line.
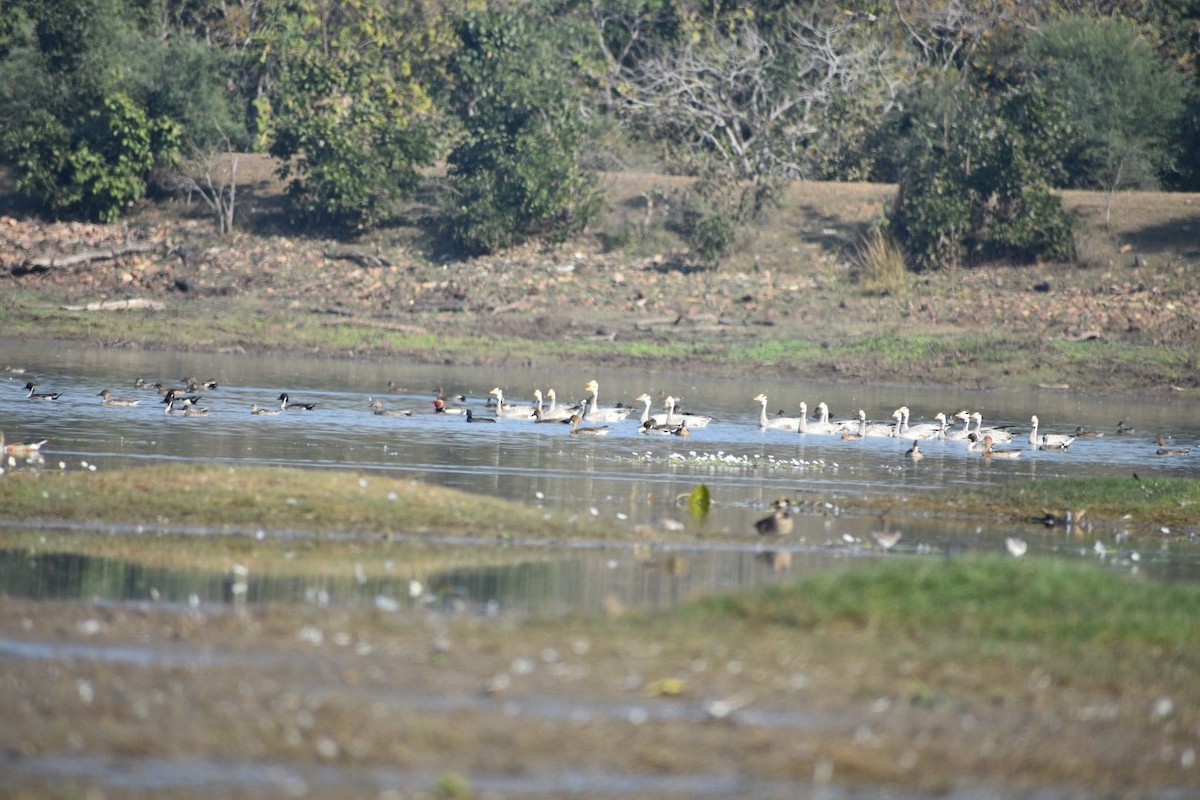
(212,174)
(762,107)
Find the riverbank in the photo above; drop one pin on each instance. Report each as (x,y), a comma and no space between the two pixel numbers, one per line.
(786,304)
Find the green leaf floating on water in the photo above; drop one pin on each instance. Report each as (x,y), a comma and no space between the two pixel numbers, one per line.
(699,501)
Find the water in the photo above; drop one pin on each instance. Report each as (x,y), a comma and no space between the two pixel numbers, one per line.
(625,477)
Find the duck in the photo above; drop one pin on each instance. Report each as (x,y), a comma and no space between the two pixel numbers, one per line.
(377,407)
(395,388)
(510,410)
(286,404)
(177,396)
(999,435)
(650,427)
(35,395)
(594,430)
(106,399)
(552,412)
(1048,441)
(440,407)
(775,423)
(25,450)
(472,418)
(681,429)
(991,452)
(264,412)
(594,412)
(193,385)
(674,417)
(1080,432)
(914,453)
(778,523)
(1123,428)
(186,407)
(1163,450)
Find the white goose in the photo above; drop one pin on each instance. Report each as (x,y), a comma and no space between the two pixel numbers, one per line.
(1048,441)
(965,418)
(875,428)
(775,423)
(922,430)
(594,412)
(692,420)
(999,435)
(821,426)
(510,410)
(551,413)
(655,420)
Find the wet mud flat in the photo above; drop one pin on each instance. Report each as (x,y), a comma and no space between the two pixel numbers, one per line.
(138,699)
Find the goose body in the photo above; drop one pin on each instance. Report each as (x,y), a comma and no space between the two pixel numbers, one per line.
(999,435)
(594,412)
(510,410)
(1048,441)
(106,399)
(775,423)
(922,430)
(820,426)
(551,413)
(675,417)
(654,420)
(866,428)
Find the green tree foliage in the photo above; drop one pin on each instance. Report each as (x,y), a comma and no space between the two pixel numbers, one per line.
(978,182)
(1124,101)
(350,124)
(515,171)
(76,131)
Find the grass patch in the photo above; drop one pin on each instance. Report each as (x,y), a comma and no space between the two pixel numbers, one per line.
(1157,501)
(272,498)
(1037,601)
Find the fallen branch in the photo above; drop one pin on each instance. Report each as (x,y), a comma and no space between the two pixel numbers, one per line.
(358,257)
(43,263)
(120,305)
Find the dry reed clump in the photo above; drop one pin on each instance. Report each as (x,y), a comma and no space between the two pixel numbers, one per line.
(879,264)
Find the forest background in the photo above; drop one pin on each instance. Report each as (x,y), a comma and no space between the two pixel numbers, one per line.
(977,111)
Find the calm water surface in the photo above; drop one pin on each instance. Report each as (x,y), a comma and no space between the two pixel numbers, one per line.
(624,476)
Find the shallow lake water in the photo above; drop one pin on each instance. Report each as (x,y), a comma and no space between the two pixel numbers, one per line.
(626,477)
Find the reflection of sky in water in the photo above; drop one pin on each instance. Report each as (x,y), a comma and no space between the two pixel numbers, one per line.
(624,476)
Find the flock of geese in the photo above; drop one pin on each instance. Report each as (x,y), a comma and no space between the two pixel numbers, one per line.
(591,418)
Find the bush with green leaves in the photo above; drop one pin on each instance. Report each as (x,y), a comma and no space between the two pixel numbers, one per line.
(977,184)
(514,172)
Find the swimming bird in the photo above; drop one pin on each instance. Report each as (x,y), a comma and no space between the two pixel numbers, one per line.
(34,395)
(775,423)
(594,412)
(999,435)
(1048,441)
(472,418)
(922,430)
(778,523)
(886,538)
(1163,450)
(1122,428)
(914,453)
(264,412)
(26,450)
(1079,431)
(286,404)
(991,452)
(551,413)
(178,396)
(510,410)
(595,430)
(866,428)
(376,406)
(675,417)
(1016,547)
(820,426)
(106,399)
(965,418)
(193,385)
(648,418)
(440,407)
(681,429)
